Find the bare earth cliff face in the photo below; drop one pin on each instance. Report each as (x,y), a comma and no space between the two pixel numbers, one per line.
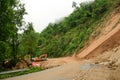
(98,61)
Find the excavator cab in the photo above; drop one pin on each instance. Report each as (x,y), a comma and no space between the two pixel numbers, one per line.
(43,57)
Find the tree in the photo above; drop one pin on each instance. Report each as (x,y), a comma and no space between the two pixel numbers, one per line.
(11,18)
(29,41)
(74,4)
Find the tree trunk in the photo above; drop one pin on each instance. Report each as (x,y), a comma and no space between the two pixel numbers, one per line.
(30,56)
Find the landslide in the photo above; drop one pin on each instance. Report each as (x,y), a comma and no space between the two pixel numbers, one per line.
(83,40)
(70,34)
(106,40)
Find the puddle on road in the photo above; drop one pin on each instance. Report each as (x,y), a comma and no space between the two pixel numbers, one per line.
(88,66)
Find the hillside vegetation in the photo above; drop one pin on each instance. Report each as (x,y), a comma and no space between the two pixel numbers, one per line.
(70,34)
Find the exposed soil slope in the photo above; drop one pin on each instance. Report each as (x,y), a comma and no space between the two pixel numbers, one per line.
(105,41)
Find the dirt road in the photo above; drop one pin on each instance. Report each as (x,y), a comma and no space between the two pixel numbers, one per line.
(65,72)
(73,71)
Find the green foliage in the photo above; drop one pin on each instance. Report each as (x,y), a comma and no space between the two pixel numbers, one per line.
(71,33)
(11,19)
(11,16)
(5,51)
(29,41)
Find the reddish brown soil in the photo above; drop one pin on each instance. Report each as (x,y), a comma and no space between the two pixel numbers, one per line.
(105,42)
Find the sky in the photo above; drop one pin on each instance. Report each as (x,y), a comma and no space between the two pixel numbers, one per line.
(43,12)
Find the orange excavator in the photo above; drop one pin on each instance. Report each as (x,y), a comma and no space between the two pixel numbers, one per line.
(37,60)
(42,57)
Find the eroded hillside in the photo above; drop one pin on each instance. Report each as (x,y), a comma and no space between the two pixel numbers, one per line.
(108,39)
(98,60)
(70,34)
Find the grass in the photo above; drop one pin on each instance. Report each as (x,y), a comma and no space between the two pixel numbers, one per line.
(31,70)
